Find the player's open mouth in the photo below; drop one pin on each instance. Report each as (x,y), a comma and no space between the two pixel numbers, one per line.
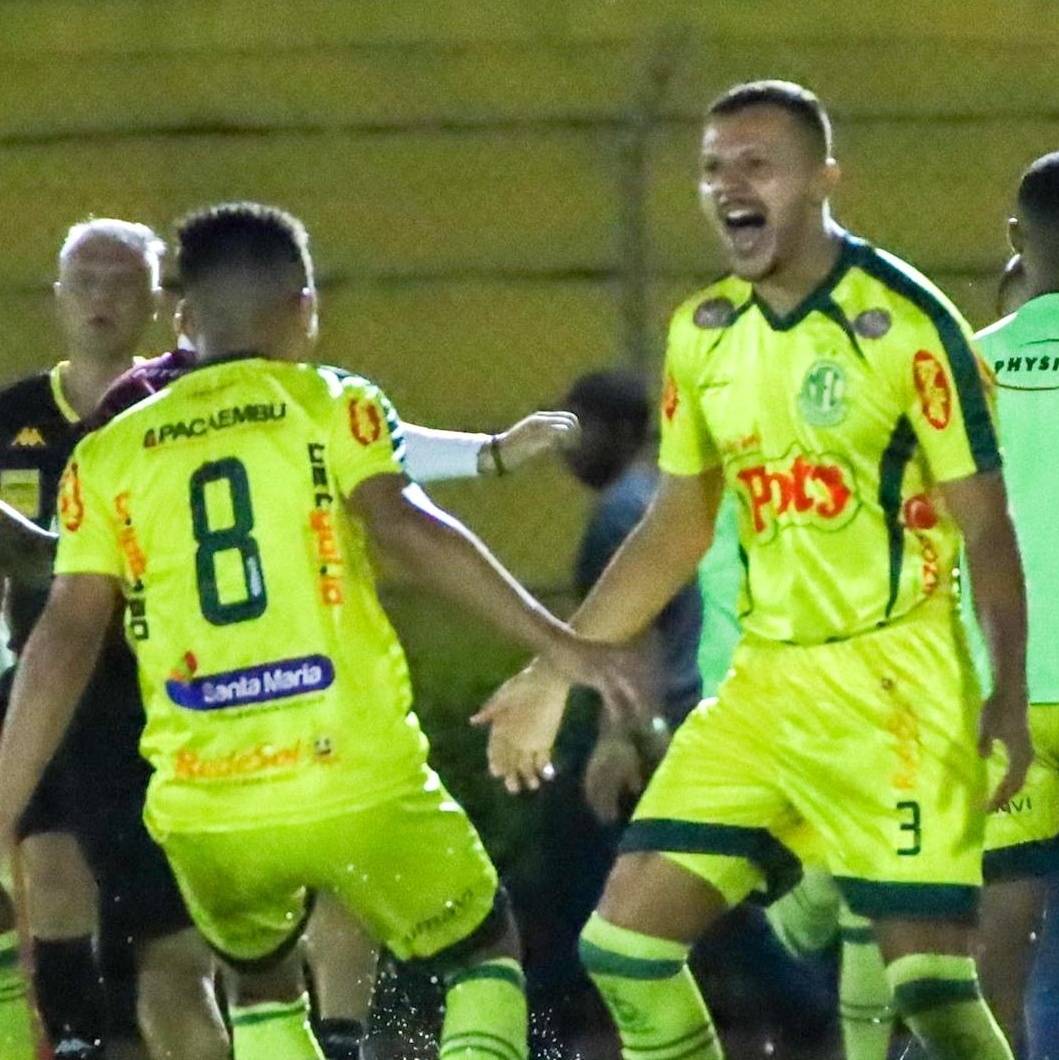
(744,226)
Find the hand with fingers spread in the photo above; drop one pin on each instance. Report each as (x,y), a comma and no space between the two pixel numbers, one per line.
(1003,718)
(531,436)
(524,715)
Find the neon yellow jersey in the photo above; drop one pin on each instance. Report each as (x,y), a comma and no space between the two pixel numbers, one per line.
(832,425)
(274,686)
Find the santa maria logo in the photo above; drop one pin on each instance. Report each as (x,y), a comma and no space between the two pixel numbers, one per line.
(255,684)
(822,399)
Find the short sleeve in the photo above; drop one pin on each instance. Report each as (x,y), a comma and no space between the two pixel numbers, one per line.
(367,438)
(686,446)
(950,404)
(88,523)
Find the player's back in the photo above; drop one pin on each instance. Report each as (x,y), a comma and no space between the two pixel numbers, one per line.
(274,684)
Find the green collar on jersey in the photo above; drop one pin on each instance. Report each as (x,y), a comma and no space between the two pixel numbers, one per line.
(820,297)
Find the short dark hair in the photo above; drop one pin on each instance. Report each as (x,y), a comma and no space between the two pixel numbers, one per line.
(242,235)
(1038,196)
(799,102)
(616,396)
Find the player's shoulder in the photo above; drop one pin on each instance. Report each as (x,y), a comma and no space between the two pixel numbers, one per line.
(30,395)
(883,292)
(998,335)
(713,308)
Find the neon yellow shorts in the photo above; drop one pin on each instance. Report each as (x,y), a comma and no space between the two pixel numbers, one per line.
(1022,837)
(411,869)
(860,754)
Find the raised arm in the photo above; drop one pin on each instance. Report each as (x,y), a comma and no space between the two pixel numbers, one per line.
(435,455)
(979,505)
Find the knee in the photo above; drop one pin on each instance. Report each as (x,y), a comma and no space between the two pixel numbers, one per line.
(495,938)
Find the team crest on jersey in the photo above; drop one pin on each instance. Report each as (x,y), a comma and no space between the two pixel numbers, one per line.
(873,324)
(822,398)
(714,313)
(20,487)
(932,385)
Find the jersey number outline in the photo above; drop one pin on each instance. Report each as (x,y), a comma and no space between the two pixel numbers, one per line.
(214,540)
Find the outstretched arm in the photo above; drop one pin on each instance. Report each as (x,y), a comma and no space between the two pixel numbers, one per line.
(26,551)
(440,554)
(659,557)
(435,455)
(979,505)
(52,674)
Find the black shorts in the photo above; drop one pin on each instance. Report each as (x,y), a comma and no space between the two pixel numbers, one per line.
(94,788)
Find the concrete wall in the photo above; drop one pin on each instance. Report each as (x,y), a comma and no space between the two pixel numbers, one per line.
(502,194)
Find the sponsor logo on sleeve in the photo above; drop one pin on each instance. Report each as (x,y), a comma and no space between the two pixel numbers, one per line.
(670,397)
(365,421)
(932,385)
(71,506)
(253,684)
(330,563)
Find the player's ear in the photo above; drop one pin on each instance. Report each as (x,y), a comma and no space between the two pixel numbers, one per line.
(182,319)
(310,312)
(1015,234)
(832,175)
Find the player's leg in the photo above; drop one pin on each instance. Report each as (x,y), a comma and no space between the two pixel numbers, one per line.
(865,1000)
(245,892)
(61,905)
(698,843)
(342,957)
(806,918)
(897,793)
(1021,852)
(17,1030)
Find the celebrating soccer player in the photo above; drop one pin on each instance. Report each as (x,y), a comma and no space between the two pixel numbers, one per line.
(834,390)
(231,512)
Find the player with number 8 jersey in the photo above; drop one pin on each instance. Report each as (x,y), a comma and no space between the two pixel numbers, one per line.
(227,697)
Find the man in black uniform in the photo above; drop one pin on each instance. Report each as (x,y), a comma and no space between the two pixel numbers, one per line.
(82,829)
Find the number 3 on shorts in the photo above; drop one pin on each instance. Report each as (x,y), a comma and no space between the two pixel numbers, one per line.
(912,826)
(213,541)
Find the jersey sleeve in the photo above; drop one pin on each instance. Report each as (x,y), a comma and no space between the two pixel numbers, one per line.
(88,539)
(950,402)
(367,438)
(686,447)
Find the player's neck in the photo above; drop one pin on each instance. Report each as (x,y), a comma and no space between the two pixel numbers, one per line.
(784,289)
(85,378)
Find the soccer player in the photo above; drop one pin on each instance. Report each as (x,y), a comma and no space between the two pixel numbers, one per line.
(90,800)
(835,391)
(232,511)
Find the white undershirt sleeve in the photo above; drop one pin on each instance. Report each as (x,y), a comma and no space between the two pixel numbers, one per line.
(434,455)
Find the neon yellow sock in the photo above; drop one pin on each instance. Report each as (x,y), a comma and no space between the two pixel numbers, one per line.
(17,1037)
(865,1001)
(274,1030)
(805,920)
(485,1013)
(938,996)
(651,994)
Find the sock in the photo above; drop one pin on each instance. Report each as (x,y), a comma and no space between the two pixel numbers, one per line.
(938,996)
(650,992)
(865,1001)
(69,995)
(485,1013)
(16,1015)
(805,919)
(340,1039)
(274,1030)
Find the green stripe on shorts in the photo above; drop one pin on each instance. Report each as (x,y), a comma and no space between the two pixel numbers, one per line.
(872,899)
(782,870)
